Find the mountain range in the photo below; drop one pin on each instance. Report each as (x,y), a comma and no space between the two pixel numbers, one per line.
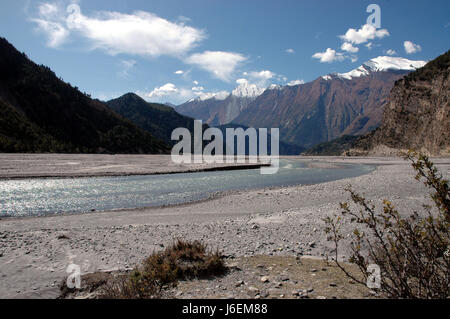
(386,104)
(308,114)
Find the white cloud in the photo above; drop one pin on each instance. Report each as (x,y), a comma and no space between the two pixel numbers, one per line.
(127,66)
(49,22)
(168,92)
(290,51)
(329,56)
(141,33)
(179,72)
(349,47)
(219,63)
(166,89)
(411,47)
(295,82)
(391,52)
(366,33)
(195,82)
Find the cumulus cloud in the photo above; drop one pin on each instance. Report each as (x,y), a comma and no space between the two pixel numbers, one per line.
(140,33)
(168,92)
(290,51)
(220,64)
(179,72)
(411,47)
(366,33)
(349,47)
(49,22)
(329,56)
(391,52)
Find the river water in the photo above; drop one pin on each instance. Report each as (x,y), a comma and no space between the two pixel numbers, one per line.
(37,197)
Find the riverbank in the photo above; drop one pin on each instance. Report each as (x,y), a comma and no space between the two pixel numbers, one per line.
(21,166)
(284,221)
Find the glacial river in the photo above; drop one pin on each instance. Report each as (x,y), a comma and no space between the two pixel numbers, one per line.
(37,197)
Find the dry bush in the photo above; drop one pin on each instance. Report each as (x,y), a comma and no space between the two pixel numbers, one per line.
(181,260)
(411,252)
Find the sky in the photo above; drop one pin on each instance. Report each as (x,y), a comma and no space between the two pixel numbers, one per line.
(175,50)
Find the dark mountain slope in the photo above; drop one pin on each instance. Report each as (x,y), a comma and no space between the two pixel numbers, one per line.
(157,119)
(41,113)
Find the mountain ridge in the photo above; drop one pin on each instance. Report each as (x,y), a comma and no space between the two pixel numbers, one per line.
(41,113)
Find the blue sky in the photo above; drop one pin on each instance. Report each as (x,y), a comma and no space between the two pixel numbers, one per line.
(108,48)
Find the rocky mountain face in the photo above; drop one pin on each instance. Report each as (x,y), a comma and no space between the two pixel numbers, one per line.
(331,106)
(416,115)
(41,113)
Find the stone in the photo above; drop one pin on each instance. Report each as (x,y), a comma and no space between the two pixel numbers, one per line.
(264,279)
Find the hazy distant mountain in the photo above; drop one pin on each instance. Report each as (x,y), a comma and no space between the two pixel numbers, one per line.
(41,113)
(157,119)
(223,107)
(416,115)
(331,106)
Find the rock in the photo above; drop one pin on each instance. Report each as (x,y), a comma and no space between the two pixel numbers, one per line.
(312,244)
(253,289)
(295,293)
(255,226)
(239,283)
(313,270)
(333,284)
(309,290)
(264,279)
(264,294)
(321,297)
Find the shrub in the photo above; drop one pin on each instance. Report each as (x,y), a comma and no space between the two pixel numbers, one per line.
(181,260)
(411,252)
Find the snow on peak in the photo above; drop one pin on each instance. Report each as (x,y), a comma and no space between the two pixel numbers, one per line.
(274,87)
(245,89)
(380,64)
(203,96)
(384,63)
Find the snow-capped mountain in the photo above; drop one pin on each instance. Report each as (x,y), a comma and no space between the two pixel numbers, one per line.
(247,90)
(222,107)
(333,105)
(380,64)
(309,113)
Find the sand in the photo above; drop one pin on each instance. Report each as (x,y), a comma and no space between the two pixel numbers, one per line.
(35,252)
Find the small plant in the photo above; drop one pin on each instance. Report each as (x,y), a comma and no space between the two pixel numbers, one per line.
(181,260)
(411,252)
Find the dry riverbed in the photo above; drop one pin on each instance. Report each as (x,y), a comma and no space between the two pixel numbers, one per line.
(271,223)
